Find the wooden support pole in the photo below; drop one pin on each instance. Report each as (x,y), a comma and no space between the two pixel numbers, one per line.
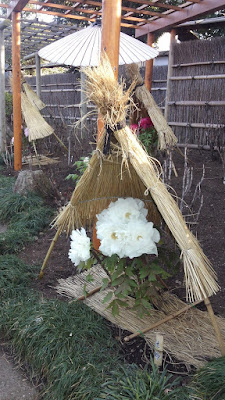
(215,326)
(111,20)
(162,321)
(49,253)
(3,25)
(38,75)
(149,64)
(170,68)
(83,102)
(16,87)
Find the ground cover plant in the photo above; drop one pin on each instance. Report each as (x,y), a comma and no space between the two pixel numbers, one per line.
(67,346)
(25,216)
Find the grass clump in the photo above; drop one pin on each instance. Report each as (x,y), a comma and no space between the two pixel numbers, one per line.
(25,215)
(68,345)
(132,383)
(208,382)
(15,276)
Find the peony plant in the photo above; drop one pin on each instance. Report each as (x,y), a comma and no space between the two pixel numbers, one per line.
(147,134)
(128,253)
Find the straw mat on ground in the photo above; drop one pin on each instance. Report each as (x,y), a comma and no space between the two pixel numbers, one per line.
(38,127)
(200,277)
(42,160)
(166,137)
(190,338)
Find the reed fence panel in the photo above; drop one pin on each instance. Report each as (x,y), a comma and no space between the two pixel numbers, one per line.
(196,105)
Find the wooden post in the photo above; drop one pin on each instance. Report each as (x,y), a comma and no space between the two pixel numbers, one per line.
(83,102)
(38,75)
(3,25)
(149,64)
(111,19)
(16,86)
(170,67)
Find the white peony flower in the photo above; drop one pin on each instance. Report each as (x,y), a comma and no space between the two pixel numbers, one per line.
(79,246)
(124,210)
(143,239)
(124,230)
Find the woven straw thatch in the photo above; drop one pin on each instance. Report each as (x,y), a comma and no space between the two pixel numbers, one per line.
(190,337)
(102,89)
(104,181)
(166,137)
(38,127)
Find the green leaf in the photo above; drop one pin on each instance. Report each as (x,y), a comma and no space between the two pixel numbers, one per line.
(115,309)
(122,303)
(108,297)
(105,283)
(144,272)
(85,292)
(89,278)
(152,277)
(88,263)
(146,303)
(117,281)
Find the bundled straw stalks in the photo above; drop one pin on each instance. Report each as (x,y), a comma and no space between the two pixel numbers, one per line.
(38,127)
(32,96)
(166,137)
(200,277)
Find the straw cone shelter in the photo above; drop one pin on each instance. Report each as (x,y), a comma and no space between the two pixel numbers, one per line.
(111,100)
(83,49)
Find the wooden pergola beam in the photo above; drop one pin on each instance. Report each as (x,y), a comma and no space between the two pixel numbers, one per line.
(86,11)
(157,4)
(185,14)
(71,16)
(17,6)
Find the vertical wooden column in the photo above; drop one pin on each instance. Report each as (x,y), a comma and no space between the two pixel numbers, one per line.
(111,19)
(149,64)
(3,25)
(38,75)
(83,102)
(170,68)
(16,87)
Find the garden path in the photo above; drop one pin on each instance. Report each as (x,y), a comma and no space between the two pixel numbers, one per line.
(13,384)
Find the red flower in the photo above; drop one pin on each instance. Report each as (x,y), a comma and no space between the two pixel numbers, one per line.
(134,128)
(145,123)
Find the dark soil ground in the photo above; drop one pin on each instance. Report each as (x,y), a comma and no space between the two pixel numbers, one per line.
(210,231)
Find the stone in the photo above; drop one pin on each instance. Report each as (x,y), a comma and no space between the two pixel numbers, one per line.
(34,181)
